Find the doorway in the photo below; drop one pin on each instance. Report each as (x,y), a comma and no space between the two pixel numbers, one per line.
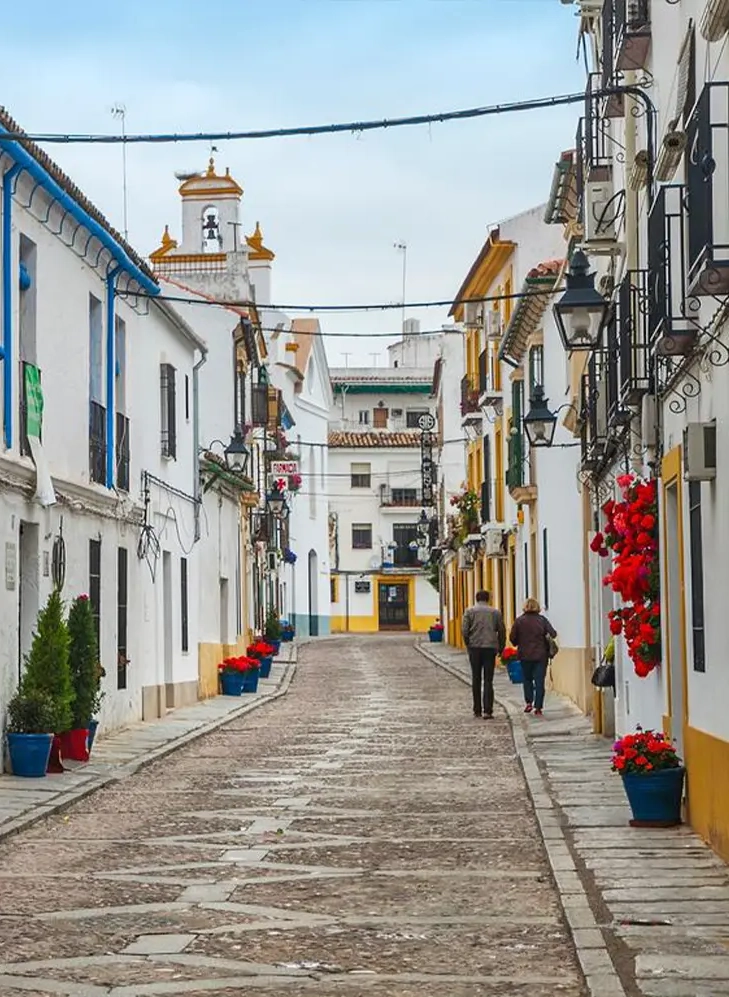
(167,622)
(313,594)
(394,603)
(28,589)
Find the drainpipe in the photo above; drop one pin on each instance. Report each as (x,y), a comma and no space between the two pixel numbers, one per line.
(6,350)
(110,374)
(195,440)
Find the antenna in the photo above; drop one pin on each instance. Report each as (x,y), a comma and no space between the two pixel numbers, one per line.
(402,247)
(119,111)
(346,358)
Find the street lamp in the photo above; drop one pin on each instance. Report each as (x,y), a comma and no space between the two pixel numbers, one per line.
(539,423)
(275,502)
(581,312)
(237,453)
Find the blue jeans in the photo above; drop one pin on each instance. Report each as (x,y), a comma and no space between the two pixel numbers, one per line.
(534,674)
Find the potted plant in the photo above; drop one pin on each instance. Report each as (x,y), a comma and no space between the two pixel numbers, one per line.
(232,676)
(287,631)
(47,671)
(513,666)
(435,633)
(31,725)
(84,663)
(251,673)
(652,776)
(263,652)
(272,630)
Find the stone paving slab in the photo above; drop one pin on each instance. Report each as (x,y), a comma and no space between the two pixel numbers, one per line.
(657,899)
(120,754)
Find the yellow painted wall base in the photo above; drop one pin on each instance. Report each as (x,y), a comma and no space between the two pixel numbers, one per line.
(369,624)
(209,657)
(571,674)
(707,773)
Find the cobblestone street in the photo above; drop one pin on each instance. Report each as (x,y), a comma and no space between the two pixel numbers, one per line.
(362,834)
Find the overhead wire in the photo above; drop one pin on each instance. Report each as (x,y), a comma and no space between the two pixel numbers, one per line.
(355,127)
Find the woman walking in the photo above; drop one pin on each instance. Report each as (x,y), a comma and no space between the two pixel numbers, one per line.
(529,635)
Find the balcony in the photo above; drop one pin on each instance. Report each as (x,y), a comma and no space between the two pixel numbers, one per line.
(631,343)
(671,332)
(489,395)
(400,498)
(519,472)
(707,179)
(632,33)
(597,447)
(97,443)
(470,408)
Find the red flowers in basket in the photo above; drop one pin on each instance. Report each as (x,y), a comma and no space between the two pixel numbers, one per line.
(631,535)
(643,752)
(436,626)
(509,654)
(243,663)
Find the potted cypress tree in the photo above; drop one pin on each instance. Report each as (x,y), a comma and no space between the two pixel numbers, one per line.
(31,722)
(47,671)
(272,630)
(84,664)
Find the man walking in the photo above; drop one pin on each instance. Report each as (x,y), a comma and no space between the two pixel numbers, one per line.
(485,636)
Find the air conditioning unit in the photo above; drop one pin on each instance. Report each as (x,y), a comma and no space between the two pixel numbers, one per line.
(493,325)
(699,451)
(465,557)
(396,413)
(272,560)
(493,543)
(474,314)
(600,211)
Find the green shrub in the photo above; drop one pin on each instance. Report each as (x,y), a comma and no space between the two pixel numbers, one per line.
(47,670)
(83,655)
(31,713)
(273,625)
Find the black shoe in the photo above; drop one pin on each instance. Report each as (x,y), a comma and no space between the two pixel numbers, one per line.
(488,716)
(476,714)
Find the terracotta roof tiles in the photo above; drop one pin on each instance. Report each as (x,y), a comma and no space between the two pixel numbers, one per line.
(383,439)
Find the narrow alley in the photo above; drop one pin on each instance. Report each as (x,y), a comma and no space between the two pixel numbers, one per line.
(363,834)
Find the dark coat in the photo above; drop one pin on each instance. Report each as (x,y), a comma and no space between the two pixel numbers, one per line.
(529,636)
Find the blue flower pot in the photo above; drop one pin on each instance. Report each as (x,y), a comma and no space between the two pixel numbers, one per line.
(232,683)
(29,754)
(435,636)
(287,634)
(93,727)
(655,798)
(250,680)
(265,669)
(515,673)
(276,645)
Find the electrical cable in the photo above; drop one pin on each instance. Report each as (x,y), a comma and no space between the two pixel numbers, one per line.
(355,127)
(376,306)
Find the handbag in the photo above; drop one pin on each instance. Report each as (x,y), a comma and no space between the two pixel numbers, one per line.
(604,675)
(552,645)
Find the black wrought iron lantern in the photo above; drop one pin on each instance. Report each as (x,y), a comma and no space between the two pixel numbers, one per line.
(582,311)
(276,501)
(540,422)
(237,453)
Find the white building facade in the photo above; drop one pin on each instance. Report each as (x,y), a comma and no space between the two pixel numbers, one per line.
(381,528)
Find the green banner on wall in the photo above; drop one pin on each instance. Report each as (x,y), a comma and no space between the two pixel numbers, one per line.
(33,402)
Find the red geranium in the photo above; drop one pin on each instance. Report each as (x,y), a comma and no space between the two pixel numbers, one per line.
(631,535)
(509,653)
(260,649)
(644,751)
(243,663)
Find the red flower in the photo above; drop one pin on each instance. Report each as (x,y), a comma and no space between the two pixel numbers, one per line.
(597,543)
(616,627)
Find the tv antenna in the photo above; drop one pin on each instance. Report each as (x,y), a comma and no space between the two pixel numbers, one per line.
(119,111)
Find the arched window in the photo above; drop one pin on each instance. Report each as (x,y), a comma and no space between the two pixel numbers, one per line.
(211,241)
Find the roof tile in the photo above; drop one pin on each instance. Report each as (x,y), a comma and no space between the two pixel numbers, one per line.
(383,439)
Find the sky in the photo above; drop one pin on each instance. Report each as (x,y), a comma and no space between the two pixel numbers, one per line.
(332,208)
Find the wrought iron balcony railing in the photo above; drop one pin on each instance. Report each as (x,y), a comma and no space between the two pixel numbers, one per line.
(122,452)
(469,395)
(631,33)
(632,339)
(707,180)
(400,497)
(97,443)
(672,310)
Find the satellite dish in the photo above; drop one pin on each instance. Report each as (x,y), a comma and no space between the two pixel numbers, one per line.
(374,562)
(188,174)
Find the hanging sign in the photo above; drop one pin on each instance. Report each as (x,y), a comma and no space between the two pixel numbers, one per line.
(427,466)
(283,468)
(44,492)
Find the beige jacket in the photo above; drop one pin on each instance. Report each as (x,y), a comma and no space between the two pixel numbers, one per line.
(483,626)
